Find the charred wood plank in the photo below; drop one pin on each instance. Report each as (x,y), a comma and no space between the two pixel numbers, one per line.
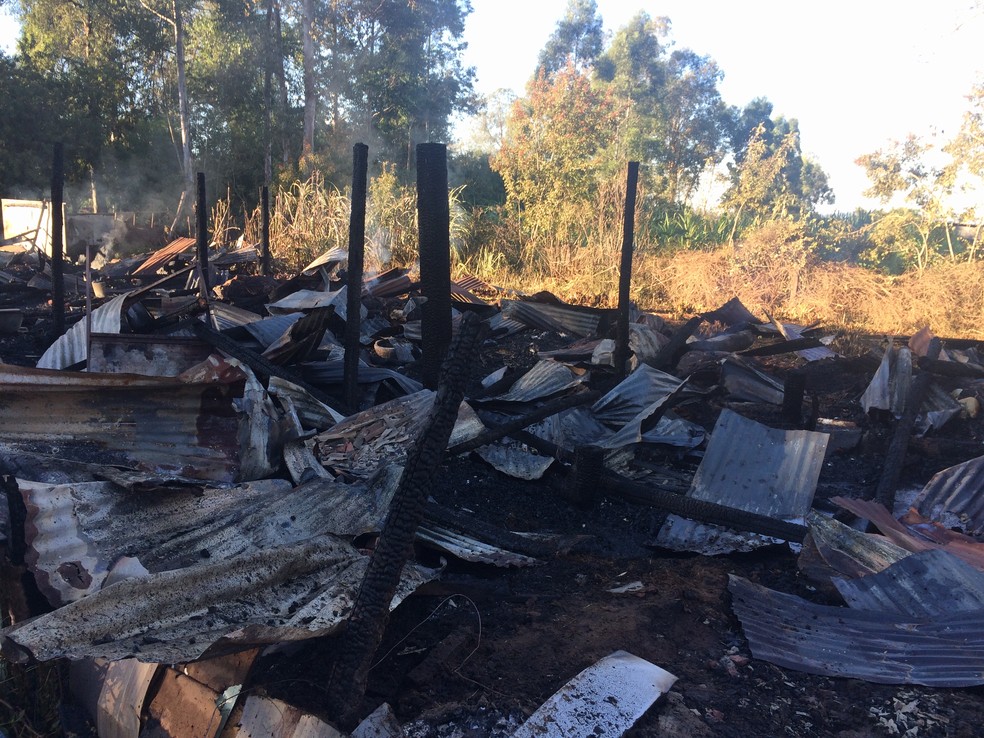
(370,612)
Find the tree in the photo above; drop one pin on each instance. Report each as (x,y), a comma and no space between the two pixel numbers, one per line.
(577,39)
(757,177)
(554,156)
(902,171)
(675,119)
(967,150)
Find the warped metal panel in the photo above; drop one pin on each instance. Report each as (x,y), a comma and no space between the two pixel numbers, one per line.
(287,593)
(561,318)
(76,532)
(163,256)
(70,348)
(924,585)
(955,497)
(605,699)
(333,371)
(750,467)
(632,395)
(547,377)
(470,549)
(268,330)
(158,424)
(745,382)
(838,641)
(849,551)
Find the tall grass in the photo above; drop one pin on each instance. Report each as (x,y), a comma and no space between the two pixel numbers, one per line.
(680,267)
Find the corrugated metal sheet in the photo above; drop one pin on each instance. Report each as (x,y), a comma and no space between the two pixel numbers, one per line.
(236,256)
(632,395)
(284,594)
(150,355)
(579,321)
(646,342)
(75,532)
(158,424)
(311,412)
(514,461)
(390,283)
(889,387)
(849,551)
(914,540)
(750,467)
(606,699)
(571,428)
(745,382)
(837,641)
(70,348)
(930,584)
(470,549)
(955,497)
(546,378)
(268,330)
(228,316)
(331,257)
(332,372)
(311,300)
(670,430)
(164,255)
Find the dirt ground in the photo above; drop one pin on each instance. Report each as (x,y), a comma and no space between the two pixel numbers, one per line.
(476,652)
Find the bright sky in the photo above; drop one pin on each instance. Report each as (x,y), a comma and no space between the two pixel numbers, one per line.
(856,74)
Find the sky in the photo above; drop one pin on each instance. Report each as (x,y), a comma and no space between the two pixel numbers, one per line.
(856,74)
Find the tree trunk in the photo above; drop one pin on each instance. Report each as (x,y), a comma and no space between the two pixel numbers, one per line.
(307,149)
(184,116)
(268,95)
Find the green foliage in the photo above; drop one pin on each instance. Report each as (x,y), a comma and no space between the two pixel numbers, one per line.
(554,158)
(685,228)
(576,40)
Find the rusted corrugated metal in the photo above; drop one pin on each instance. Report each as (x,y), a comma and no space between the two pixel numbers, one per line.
(929,584)
(390,283)
(915,535)
(838,641)
(284,594)
(751,467)
(156,424)
(955,497)
(163,256)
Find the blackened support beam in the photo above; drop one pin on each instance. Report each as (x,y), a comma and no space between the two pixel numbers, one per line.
(625,271)
(57,240)
(356,265)
(434,223)
(201,217)
(265,231)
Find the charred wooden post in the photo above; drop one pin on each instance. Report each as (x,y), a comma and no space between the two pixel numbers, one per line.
(793,390)
(370,613)
(434,222)
(265,231)
(57,241)
(201,220)
(589,466)
(356,265)
(888,482)
(672,351)
(625,271)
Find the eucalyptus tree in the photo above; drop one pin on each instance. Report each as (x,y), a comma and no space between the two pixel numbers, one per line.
(578,39)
